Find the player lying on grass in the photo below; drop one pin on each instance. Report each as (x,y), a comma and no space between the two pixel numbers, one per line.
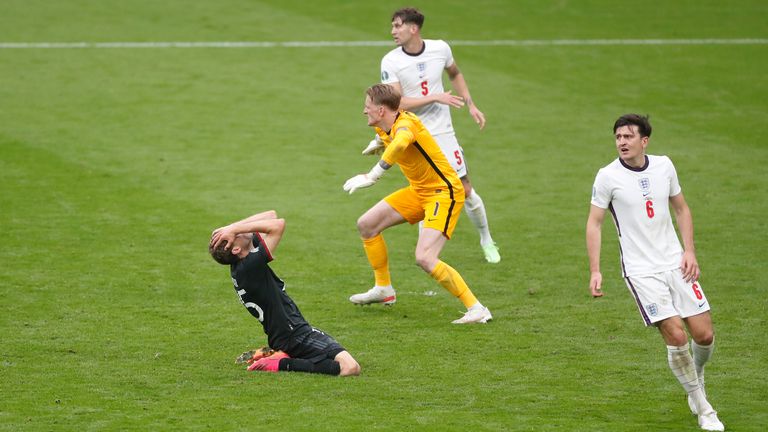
(247,247)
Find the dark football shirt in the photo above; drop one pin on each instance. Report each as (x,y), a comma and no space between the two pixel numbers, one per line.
(263,294)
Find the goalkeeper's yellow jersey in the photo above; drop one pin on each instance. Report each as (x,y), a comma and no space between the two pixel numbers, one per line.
(410,145)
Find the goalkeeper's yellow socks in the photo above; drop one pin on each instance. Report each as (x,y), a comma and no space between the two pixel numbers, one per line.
(451,280)
(376,251)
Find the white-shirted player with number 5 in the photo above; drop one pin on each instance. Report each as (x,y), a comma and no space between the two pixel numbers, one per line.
(415,68)
(662,276)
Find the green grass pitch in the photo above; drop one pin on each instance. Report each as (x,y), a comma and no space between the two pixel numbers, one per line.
(116,164)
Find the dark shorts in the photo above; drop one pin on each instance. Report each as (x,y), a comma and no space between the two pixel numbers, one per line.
(314,346)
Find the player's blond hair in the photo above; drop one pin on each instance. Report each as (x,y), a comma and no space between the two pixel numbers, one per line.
(384,94)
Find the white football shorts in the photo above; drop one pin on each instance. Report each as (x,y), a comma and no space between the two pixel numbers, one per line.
(663,295)
(453,152)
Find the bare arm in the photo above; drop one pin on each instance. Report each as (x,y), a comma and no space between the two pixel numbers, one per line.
(266,223)
(689,265)
(411,103)
(215,235)
(594,238)
(460,85)
(269,214)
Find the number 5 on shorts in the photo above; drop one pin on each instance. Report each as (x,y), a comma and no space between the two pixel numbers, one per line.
(457,154)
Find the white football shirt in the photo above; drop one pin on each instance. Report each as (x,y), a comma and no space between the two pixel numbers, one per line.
(420,75)
(638,199)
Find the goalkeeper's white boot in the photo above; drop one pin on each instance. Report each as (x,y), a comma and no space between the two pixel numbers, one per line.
(479,314)
(377,294)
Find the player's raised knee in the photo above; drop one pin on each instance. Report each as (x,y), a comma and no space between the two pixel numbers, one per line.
(366,226)
(426,261)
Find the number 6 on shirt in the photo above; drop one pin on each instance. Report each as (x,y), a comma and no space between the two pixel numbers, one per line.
(649,208)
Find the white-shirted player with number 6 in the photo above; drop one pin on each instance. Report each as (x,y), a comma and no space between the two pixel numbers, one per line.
(662,276)
(415,68)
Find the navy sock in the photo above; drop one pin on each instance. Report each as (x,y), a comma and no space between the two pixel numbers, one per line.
(328,367)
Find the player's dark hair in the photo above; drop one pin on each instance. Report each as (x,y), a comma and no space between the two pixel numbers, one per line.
(642,123)
(384,94)
(409,16)
(221,255)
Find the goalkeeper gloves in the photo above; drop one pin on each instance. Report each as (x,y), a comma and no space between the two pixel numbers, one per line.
(358,182)
(376,146)
(364,180)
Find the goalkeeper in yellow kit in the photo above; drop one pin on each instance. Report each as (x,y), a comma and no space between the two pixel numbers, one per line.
(434,195)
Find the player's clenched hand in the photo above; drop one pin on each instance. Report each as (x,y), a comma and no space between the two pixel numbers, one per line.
(374,147)
(477,115)
(357,182)
(595,284)
(448,99)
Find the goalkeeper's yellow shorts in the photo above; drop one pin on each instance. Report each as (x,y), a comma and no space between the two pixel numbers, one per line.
(437,208)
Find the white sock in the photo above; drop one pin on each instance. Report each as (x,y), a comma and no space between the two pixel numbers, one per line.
(700,400)
(475,209)
(477,305)
(701,355)
(681,363)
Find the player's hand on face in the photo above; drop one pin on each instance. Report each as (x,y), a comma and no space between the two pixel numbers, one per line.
(595,284)
(690,267)
(223,234)
(477,115)
(214,236)
(448,99)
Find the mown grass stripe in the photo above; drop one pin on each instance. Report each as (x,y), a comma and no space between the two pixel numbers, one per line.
(330,44)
